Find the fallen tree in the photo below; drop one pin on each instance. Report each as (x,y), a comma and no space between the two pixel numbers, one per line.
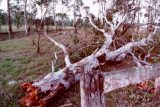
(95,84)
(43,91)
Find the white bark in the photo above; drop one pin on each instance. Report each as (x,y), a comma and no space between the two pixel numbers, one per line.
(91,61)
(90,20)
(71,73)
(25,17)
(123,78)
(92,90)
(66,54)
(118,25)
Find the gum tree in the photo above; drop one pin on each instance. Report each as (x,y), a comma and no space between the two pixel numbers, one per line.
(9,20)
(88,70)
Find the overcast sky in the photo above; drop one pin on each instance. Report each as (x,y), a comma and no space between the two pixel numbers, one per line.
(93,8)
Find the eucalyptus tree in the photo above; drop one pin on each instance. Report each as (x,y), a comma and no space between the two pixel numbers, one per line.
(30,12)
(25,16)
(10,31)
(17,13)
(61,18)
(89,69)
(53,10)
(62,15)
(153,10)
(44,6)
(76,12)
(0,19)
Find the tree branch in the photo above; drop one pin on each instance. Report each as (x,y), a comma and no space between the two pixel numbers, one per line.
(118,25)
(53,67)
(90,20)
(130,45)
(67,60)
(112,26)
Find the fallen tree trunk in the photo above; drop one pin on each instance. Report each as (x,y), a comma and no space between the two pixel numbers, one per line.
(45,90)
(92,94)
(123,78)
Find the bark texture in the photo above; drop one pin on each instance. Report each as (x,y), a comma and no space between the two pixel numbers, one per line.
(123,78)
(45,90)
(92,89)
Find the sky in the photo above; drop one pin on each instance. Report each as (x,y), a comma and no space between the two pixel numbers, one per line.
(93,8)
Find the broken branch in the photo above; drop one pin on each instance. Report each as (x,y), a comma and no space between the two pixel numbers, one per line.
(67,60)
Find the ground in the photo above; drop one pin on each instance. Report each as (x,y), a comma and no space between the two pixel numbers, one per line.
(19,63)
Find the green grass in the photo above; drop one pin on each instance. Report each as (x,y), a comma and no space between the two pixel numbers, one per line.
(8,67)
(9,95)
(4,28)
(19,62)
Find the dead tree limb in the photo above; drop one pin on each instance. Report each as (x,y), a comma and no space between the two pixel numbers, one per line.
(123,78)
(48,88)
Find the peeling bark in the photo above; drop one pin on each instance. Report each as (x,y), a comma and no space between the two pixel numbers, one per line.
(123,78)
(50,86)
(43,91)
(92,89)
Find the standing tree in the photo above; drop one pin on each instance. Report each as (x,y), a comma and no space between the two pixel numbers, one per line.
(16,12)
(76,13)
(53,10)
(1,15)
(44,5)
(62,17)
(9,20)
(25,17)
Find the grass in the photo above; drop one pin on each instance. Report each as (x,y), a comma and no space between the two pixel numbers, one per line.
(132,97)
(4,28)
(19,62)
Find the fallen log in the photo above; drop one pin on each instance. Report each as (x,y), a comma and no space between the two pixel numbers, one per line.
(43,91)
(91,85)
(119,79)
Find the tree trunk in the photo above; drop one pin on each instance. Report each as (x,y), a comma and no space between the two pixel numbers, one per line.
(63,27)
(92,89)
(9,20)
(25,17)
(38,42)
(75,25)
